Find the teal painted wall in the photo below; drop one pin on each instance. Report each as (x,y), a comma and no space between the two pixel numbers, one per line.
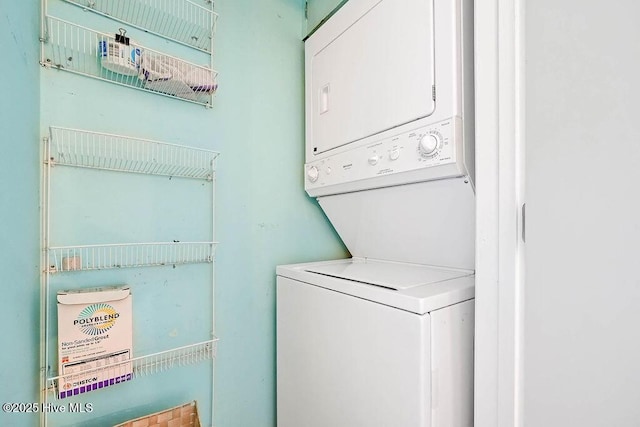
(19,200)
(263,216)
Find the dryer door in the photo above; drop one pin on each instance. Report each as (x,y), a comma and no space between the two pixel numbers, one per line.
(368,69)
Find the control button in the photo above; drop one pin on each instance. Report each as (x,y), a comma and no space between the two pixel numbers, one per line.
(373,160)
(328,170)
(313,173)
(428,144)
(394,154)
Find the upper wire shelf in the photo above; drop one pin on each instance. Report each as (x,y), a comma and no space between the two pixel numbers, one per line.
(182,21)
(82,148)
(118,59)
(129,369)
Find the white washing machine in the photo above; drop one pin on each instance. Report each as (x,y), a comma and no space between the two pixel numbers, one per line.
(364,343)
(385,339)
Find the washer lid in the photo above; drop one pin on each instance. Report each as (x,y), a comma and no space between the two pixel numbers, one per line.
(387,274)
(420,290)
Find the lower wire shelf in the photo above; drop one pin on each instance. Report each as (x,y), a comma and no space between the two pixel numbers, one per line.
(101,257)
(62,386)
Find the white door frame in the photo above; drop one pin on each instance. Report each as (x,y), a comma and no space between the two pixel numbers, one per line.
(499,95)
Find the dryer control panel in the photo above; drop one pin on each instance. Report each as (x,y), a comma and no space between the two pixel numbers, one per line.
(421,154)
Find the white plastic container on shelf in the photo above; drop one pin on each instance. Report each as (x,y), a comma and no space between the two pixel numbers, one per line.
(119,56)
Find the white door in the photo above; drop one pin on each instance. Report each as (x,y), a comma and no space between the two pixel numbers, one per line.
(372,74)
(582,291)
(561,348)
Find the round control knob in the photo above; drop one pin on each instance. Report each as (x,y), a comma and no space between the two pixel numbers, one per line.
(394,154)
(373,160)
(313,173)
(428,144)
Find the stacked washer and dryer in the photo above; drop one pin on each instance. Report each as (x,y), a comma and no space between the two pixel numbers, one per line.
(385,338)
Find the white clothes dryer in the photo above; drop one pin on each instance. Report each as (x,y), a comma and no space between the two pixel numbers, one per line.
(385,339)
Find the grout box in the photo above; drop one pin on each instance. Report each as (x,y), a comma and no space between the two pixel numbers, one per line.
(94,339)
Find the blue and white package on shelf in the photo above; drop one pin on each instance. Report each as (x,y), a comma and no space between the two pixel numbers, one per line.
(94,339)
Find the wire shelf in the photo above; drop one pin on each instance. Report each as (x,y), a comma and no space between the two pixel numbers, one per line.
(182,21)
(81,148)
(102,257)
(116,59)
(127,370)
